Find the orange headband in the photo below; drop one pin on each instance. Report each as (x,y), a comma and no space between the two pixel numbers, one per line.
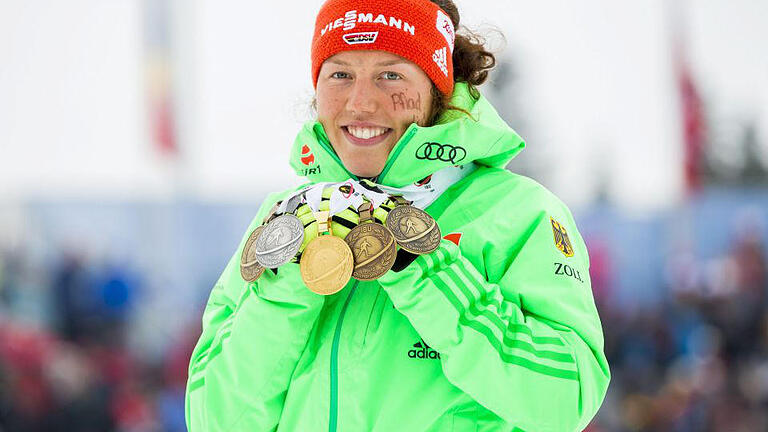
(417,30)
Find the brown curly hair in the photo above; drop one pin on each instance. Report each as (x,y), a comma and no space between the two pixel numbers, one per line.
(471,62)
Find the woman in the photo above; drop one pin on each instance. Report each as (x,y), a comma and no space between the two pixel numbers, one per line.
(495,330)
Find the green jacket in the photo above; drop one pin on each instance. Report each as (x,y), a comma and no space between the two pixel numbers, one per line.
(495,331)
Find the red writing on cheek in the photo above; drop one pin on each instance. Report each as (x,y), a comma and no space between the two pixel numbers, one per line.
(402,101)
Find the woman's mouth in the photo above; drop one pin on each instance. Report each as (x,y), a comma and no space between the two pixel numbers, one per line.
(365,135)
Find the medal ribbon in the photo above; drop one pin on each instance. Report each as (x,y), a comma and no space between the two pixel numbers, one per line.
(421,194)
(290,204)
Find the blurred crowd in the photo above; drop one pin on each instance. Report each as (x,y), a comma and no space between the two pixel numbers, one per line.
(698,359)
(695,360)
(77,372)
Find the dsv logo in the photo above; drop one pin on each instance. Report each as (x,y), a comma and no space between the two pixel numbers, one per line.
(442,152)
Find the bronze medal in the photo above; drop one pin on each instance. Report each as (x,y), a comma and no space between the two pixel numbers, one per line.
(372,245)
(327,262)
(250,269)
(415,230)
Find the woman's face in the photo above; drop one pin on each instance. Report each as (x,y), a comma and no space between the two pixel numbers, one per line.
(365,102)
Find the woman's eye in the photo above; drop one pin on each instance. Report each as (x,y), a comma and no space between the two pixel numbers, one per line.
(340,75)
(391,76)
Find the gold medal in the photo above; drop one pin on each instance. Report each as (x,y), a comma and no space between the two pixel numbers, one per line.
(415,230)
(327,262)
(250,269)
(372,245)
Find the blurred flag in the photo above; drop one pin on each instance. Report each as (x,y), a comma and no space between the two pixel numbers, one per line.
(691,107)
(163,125)
(693,127)
(158,74)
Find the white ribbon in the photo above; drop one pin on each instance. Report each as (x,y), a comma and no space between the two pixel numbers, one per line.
(421,194)
(290,204)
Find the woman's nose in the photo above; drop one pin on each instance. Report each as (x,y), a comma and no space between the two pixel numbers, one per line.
(362,97)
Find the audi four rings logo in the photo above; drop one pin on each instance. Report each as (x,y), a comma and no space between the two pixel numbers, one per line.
(442,152)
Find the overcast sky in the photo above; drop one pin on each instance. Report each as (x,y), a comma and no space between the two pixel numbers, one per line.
(595,94)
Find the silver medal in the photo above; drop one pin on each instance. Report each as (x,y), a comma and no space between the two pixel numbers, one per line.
(280,241)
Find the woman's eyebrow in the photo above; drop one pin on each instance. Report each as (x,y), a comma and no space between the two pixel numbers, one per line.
(384,63)
(391,62)
(338,62)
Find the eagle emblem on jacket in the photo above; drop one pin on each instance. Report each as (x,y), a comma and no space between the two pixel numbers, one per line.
(562,241)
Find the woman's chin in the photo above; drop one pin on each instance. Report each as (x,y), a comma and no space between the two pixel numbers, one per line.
(361,166)
(369,175)
(365,171)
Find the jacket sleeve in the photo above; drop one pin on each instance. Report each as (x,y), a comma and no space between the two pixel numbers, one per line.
(253,335)
(529,347)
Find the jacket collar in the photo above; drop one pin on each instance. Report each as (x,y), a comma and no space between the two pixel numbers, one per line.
(456,139)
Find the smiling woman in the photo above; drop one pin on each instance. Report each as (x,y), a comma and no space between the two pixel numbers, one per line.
(396,327)
(365,101)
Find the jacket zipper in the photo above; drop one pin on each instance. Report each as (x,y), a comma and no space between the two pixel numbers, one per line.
(396,152)
(333,416)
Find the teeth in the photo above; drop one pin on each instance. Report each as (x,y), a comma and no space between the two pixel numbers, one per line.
(365,132)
